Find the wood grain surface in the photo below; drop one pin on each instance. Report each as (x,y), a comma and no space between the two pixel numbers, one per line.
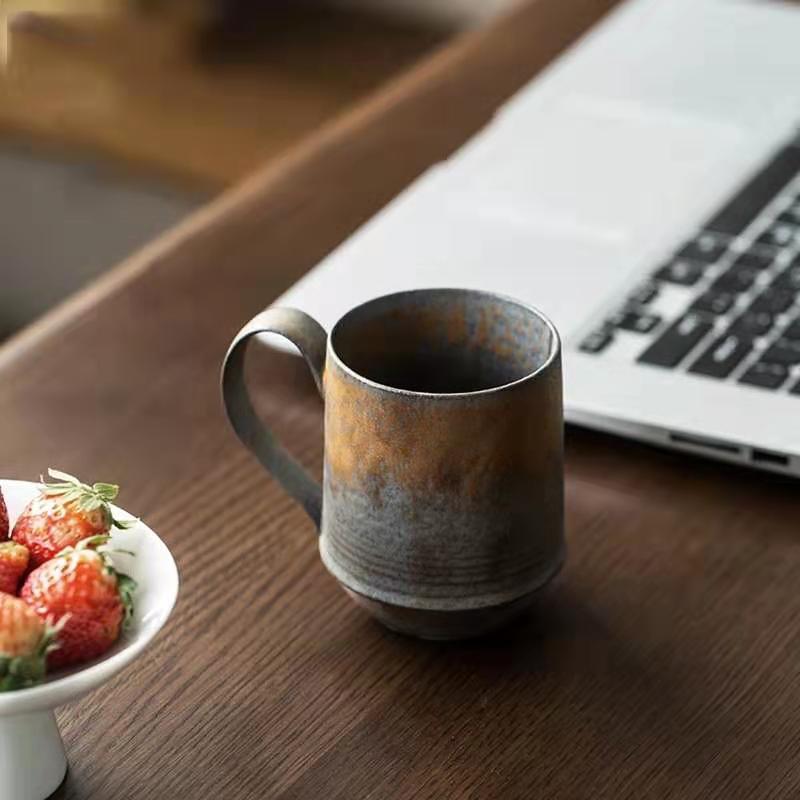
(664,663)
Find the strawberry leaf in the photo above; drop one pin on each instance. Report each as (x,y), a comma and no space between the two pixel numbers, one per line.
(63,476)
(22,672)
(91,543)
(127,588)
(106,491)
(124,524)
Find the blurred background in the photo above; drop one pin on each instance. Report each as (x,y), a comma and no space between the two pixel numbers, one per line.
(119,117)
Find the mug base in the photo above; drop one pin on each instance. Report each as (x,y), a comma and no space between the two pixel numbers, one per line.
(447,626)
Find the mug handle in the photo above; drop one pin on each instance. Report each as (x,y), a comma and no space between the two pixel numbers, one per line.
(310,338)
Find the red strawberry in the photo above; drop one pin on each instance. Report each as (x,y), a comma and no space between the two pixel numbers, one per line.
(81,587)
(13,563)
(25,642)
(63,514)
(3,518)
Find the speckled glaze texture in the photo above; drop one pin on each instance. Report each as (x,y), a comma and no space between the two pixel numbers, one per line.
(442,497)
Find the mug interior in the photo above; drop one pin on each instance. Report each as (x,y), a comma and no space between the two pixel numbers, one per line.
(444,341)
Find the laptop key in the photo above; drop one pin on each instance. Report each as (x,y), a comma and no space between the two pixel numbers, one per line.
(767,376)
(680,271)
(789,279)
(635,321)
(707,247)
(676,341)
(779,235)
(645,294)
(793,331)
(596,341)
(773,301)
(719,360)
(754,259)
(714,302)
(784,351)
(752,324)
(790,216)
(735,280)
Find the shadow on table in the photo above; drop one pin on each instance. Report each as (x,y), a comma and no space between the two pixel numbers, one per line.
(508,713)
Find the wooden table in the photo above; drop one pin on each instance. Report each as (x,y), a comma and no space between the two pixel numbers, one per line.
(664,664)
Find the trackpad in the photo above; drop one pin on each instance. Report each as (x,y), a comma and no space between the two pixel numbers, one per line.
(594,167)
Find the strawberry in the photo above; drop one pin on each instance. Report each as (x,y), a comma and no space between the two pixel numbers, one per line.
(63,514)
(13,563)
(3,518)
(81,587)
(25,642)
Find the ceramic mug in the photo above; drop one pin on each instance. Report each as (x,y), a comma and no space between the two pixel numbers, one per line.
(441,509)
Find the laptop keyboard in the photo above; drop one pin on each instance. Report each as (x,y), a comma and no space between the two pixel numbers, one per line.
(734,291)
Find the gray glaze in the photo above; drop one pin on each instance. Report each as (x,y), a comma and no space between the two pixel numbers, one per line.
(442,500)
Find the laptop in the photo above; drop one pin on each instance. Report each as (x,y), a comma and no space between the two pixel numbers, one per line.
(643,192)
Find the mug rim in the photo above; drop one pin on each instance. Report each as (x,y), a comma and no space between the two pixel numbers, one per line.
(552,356)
